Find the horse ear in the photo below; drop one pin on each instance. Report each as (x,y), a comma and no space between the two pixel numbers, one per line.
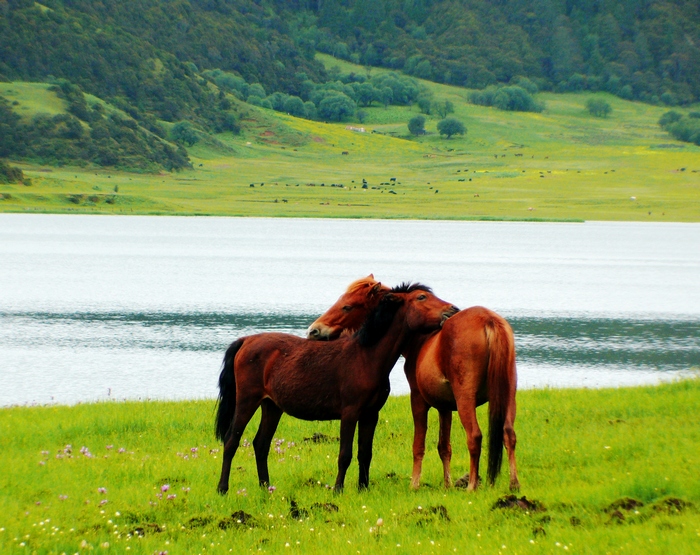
(376,288)
(391,298)
(371,276)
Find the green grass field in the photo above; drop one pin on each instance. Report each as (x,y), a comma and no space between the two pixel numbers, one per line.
(608,471)
(562,164)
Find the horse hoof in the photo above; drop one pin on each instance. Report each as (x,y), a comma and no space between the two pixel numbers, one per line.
(221,490)
(515,487)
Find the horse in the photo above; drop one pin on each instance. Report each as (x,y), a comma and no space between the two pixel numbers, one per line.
(346,380)
(468,362)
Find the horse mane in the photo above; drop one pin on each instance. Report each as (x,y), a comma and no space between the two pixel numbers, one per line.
(379,320)
(408,287)
(360,283)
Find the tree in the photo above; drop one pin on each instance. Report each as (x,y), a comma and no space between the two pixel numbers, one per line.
(598,107)
(444,108)
(294,106)
(416,125)
(183,132)
(336,107)
(451,126)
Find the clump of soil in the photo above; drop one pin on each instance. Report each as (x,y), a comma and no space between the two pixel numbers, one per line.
(198,521)
(238,519)
(625,504)
(514,502)
(321,438)
(146,529)
(327,507)
(672,505)
(429,515)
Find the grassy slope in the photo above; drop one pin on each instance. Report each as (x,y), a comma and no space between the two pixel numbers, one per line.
(578,452)
(573,166)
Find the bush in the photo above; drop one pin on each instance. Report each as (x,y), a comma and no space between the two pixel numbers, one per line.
(10,174)
(451,126)
(512,98)
(416,125)
(598,107)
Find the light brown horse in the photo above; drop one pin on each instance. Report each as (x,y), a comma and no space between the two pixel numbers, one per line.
(346,380)
(469,362)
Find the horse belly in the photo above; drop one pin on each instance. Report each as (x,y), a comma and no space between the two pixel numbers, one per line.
(310,400)
(436,389)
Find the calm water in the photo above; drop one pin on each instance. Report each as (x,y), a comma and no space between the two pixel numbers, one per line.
(97,307)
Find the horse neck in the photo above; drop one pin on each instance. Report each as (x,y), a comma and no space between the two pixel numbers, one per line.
(387,350)
(413,345)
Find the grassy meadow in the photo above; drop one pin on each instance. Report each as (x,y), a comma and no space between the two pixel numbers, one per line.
(605,471)
(562,164)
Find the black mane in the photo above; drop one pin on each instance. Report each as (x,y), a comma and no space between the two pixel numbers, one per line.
(379,320)
(408,287)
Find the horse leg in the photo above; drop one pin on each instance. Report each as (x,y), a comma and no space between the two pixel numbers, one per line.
(467,414)
(347,436)
(419,409)
(444,445)
(245,409)
(269,420)
(365,438)
(509,441)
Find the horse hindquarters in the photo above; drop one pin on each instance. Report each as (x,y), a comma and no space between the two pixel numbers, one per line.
(502,384)
(227,391)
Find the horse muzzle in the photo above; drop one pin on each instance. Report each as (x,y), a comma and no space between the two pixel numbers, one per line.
(449,313)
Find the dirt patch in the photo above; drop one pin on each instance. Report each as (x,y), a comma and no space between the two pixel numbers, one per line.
(429,515)
(146,529)
(318,139)
(198,522)
(672,505)
(238,519)
(327,507)
(625,504)
(515,502)
(321,438)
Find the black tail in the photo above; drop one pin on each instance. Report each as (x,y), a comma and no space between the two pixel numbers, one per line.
(501,378)
(227,391)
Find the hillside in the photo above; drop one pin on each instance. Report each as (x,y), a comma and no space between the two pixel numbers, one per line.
(561,164)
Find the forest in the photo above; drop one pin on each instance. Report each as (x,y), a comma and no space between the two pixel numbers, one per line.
(181,62)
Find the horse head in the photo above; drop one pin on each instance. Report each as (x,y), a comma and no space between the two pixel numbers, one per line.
(350,311)
(425,311)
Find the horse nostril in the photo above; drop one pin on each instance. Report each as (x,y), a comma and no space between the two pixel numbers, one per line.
(313,332)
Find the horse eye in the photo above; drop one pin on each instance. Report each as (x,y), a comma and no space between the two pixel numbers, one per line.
(422,297)
(347,308)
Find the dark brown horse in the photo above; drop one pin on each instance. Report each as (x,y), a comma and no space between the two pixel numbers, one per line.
(346,380)
(467,363)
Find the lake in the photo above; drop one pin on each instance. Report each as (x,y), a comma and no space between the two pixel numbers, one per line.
(117,307)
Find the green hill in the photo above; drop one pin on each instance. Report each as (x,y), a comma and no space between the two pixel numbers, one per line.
(561,164)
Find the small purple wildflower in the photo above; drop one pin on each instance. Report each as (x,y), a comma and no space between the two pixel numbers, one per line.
(271,489)
(194,449)
(121,450)
(109,447)
(164,487)
(172,496)
(103,502)
(63,497)
(102,490)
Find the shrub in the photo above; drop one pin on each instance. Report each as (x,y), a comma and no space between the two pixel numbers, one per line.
(416,125)
(451,126)
(598,107)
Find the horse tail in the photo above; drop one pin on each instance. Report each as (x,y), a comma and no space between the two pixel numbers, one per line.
(227,391)
(501,378)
